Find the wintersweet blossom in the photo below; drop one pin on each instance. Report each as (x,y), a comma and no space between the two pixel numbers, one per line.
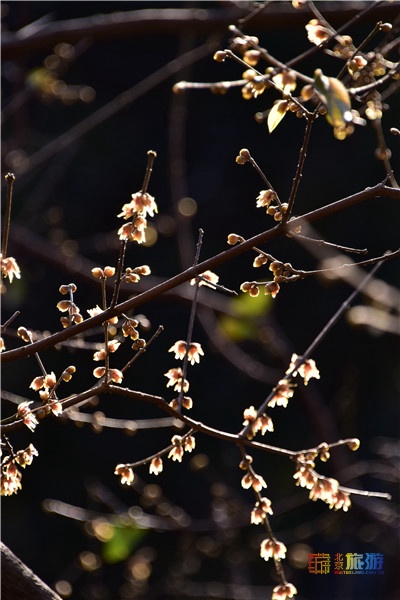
(55,407)
(10,268)
(133,233)
(43,381)
(126,474)
(116,375)
(176,452)
(282,393)
(306,477)
(316,32)
(307,369)
(340,500)
(209,279)
(25,457)
(283,591)
(260,511)
(176,379)
(265,197)
(257,482)
(272,549)
(256,423)
(10,479)
(24,412)
(142,203)
(194,351)
(156,465)
(187,403)
(324,489)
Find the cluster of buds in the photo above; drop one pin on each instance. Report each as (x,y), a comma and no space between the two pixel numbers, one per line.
(141,205)
(271,288)
(74,315)
(256,83)
(46,386)
(133,275)
(10,475)
(269,200)
(105,273)
(181,444)
(243,44)
(322,488)
(255,423)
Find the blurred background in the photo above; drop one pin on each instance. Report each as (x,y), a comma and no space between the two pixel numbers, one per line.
(87,91)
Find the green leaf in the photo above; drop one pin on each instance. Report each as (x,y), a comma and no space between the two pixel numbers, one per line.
(276,114)
(122,543)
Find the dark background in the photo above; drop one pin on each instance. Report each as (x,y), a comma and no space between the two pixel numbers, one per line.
(69,204)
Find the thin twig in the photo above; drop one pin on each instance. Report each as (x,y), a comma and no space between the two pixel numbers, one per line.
(10,178)
(191,321)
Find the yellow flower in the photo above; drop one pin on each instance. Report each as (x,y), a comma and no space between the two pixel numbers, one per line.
(10,268)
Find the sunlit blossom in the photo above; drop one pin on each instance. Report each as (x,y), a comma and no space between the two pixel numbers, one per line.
(282,393)
(126,474)
(208,278)
(194,351)
(316,32)
(55,407)
(10,479)
(265,197)
(272,549)
(25,457)
(156,465)
(29,419)
(257,482)
(307,369)
(283,591)
(10,268)
(176,379)
(260,511)
(141,203)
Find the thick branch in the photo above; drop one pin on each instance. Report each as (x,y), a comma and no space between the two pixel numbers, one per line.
(18,582)
(211,263)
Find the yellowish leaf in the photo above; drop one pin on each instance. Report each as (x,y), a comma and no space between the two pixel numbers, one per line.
(276,114)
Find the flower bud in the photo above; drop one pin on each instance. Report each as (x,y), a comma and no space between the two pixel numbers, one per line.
(97,273)
(220,56)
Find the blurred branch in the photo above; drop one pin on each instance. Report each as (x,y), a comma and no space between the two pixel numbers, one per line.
(42,36)
(118,103)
